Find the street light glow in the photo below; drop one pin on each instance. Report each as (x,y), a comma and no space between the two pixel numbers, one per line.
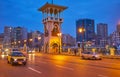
(18,41)
(25,40)
(31,39)
(59,34)
(39,38)
(81,30)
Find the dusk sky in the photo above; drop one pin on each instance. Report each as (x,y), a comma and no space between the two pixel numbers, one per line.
(25,13)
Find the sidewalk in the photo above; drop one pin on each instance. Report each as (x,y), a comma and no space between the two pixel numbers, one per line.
(111,57)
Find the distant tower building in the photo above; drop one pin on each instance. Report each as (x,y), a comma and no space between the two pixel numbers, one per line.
(36,36)
(24,33)
(68,40)
(1,40)
(89,33)
(17,34)
(20,34)
(115,36)
(52,27)
(8,32)
(35,39)
(102,33)
(102,30)
(118,27)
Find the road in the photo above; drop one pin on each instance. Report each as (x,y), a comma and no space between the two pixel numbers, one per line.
(48,65)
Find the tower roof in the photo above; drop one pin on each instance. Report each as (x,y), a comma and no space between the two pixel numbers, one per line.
(52,6)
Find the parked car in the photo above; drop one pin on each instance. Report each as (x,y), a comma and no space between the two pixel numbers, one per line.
(31,51)
(16,57)
(91,55)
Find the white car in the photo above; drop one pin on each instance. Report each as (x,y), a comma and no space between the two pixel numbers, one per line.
(91,55)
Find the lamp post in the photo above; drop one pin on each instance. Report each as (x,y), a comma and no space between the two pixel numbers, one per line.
(59,36)
(82,30)
(15,44)
(30,42)
(25,46)
(19,43)
(39,38)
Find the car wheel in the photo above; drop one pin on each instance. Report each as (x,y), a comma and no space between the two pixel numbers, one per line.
(24,63)
(83,57)
(11,62)
(8,62)
(93,58)
(100,59)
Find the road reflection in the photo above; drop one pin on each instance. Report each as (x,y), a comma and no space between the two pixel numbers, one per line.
(3,56)
(31,57)
(59,59)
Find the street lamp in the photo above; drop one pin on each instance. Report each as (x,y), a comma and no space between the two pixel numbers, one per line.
(25,46)
(30,42)
(59,35)
(15,44)
(39,38)
(82,30)
(19,43)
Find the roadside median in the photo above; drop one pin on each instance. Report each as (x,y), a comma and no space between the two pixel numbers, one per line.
(111,57)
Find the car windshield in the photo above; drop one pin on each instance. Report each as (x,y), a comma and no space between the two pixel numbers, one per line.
(15,49)
(17,54)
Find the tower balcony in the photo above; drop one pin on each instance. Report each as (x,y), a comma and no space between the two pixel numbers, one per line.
(52,19)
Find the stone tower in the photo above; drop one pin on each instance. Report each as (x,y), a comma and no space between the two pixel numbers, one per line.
(52,27)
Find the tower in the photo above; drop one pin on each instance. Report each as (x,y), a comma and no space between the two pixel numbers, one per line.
(52,27)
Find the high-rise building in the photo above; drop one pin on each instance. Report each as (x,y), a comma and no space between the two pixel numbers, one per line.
(17,34)
(102,30)
(20,33)
(118,27)
(68,40)
(8,32)
(102,34)
(1,40)
(115,36)
(88,32)
(37,39)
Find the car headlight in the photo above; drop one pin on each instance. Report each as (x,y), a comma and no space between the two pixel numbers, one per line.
(96,55)
(25,59)
(15,59)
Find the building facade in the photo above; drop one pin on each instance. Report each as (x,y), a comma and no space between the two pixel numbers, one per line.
(68,40)
(102,34)
(88,34)
(1,40)
(115,36)
(8,36)
(19,36)
(118,27)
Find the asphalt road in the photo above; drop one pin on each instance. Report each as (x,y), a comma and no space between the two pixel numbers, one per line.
(47,65)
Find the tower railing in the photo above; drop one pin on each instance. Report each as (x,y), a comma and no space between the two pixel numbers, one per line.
(52,19)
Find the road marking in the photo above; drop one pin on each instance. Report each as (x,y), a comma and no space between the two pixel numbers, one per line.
(102,75)
(38,62)
(108,63)
(65,67)
(34,70)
